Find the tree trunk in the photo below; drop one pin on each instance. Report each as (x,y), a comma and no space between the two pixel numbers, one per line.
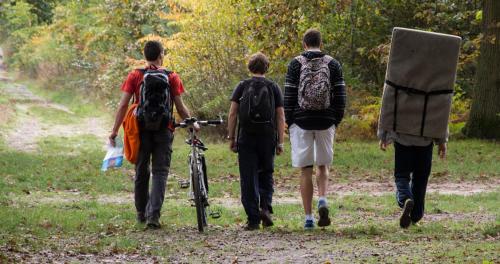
(484,121)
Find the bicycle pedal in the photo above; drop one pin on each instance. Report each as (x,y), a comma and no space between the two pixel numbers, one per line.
(184,184)
(215,215)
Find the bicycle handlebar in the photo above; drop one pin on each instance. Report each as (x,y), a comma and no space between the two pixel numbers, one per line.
(190,121)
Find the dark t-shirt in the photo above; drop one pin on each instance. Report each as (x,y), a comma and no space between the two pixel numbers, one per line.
(238,91)
(278,102)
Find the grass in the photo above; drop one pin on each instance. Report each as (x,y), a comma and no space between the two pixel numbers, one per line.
(83,104)
(58,201)
(53,116)
(108,227)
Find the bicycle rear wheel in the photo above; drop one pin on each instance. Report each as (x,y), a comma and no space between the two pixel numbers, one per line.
(201,215)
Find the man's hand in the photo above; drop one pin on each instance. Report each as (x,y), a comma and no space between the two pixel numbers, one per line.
(383,145)
(279,149)
(112,138)
(196,127)
(232,145)
(442,150)
(120,115)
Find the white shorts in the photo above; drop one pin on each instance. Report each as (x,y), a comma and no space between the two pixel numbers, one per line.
(311,147)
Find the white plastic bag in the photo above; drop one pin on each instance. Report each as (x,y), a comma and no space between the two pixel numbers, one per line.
(114,156)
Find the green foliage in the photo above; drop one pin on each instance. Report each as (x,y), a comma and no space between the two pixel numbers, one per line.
(94,41)
(19,16)
(208,42)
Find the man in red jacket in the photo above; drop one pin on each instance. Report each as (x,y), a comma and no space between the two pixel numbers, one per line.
(154,145)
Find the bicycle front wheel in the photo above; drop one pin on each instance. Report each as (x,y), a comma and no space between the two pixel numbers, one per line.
(201,215)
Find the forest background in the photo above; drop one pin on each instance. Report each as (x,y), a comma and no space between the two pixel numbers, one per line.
(89,46)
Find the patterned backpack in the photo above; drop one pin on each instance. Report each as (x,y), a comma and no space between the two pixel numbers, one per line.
(314,84)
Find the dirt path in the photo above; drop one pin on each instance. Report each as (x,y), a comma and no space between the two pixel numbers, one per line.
(280,196)
(3,73)
(28,129)
(231,245)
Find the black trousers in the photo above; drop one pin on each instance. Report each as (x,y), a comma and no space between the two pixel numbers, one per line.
(155,149)
(256,162)
(412,169)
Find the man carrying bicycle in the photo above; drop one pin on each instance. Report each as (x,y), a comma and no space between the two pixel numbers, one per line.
(257,103)
(156,91)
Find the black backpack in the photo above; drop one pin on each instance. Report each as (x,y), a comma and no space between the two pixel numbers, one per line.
(155,105)
(256,112)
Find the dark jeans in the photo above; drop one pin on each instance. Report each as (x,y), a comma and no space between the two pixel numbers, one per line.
(256,160)
(155,146)
(412,170)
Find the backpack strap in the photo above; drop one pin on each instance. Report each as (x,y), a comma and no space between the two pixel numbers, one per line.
(139,100)
(301,59)
(410,90)
(246,85)
(327,59)
(273,100)
(171,99)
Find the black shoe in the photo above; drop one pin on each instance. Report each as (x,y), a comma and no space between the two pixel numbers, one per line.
(141,218)
(153,223)
(265,216)
(251,227)
(324,220)
(405,219)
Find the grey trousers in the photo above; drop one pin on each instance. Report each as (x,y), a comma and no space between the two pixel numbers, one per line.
(155,148)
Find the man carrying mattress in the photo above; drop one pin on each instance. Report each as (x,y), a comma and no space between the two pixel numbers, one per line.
(415,110)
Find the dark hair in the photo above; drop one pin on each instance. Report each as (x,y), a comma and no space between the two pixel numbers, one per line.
(258,63)
(152,50)
(312,38)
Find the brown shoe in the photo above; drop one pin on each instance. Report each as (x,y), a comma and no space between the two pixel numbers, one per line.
(405,219)
(324,219)
(153,223)
(141,218)
(265,216)
(251,227)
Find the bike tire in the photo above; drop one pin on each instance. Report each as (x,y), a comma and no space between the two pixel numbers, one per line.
(198,199)
(204,197)
(204,170)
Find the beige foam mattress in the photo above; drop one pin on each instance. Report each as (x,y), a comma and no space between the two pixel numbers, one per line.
(419,83)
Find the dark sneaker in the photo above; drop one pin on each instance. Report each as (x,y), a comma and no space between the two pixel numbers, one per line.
(141,218)
(309,225)
(153,223)
(251,227)
(324,220)
(405,219)
(265,216)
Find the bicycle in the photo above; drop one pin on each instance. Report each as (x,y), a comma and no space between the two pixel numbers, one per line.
(198,171)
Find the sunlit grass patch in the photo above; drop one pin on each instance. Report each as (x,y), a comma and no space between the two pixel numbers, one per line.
(53,116)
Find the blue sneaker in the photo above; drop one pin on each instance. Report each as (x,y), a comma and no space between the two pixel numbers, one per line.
(309,225)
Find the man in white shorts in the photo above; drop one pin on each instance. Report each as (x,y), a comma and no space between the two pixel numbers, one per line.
(314,105)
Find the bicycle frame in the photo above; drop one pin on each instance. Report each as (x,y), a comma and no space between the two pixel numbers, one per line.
(197,172)
(194,159)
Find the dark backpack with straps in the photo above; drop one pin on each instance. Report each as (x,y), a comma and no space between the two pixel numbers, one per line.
(256,112)
(155,105)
